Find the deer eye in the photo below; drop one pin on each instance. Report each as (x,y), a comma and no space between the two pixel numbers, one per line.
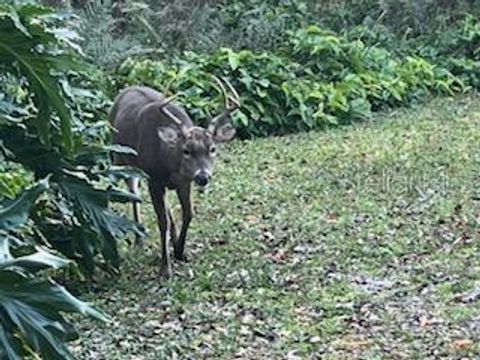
(186,152)
(213,150)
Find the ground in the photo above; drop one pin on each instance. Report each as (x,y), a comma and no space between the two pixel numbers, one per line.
(354,243)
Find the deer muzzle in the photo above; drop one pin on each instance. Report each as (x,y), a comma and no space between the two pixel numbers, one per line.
(202,179)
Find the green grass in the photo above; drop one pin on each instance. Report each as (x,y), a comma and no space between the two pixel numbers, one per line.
(354,243)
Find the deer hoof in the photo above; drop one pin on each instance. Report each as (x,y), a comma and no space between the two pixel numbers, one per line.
(165,272)
(180,256)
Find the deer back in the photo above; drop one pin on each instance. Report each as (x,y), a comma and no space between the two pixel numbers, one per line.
(136,117)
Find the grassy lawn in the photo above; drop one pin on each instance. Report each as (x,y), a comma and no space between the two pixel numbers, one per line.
(354,243)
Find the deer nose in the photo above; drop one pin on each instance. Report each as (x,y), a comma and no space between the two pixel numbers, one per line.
(202,179)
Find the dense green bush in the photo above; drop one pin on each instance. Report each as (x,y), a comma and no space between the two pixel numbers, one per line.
(31,305)
(55,197)
(59,136)
(100,37)
(116,29)
(407,17)
(319,78)
(371,72)
(258,25)
(457,49)
(385,53)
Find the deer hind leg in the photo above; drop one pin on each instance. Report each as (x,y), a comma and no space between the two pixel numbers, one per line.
(173,228)
(157,194)
(184,195)
(134,187)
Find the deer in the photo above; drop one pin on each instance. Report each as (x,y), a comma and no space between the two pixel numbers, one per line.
(172,151)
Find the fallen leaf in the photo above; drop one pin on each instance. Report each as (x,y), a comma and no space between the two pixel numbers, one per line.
(253,219)
(462,344)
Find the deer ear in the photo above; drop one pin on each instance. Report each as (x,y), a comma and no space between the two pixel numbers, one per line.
(168,135)
(224,133)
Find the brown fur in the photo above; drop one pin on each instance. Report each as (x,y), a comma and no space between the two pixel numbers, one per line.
(172,155)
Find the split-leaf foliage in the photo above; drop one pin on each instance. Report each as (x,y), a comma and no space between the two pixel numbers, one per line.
(54,200)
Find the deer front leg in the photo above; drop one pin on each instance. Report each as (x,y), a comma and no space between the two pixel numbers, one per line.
(185,200)
(157,194)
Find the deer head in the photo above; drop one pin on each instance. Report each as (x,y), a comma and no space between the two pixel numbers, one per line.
(197,146)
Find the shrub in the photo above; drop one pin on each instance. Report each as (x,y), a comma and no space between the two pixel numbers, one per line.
(259,79)
(31,305)
(52,141)
(48,140)
(256,25)
(179,25)
(320,78)
(408,18)
(100,38)
(457,49)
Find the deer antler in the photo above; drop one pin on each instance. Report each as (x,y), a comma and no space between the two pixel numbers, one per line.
(231,102)
(174,118)
(168,100)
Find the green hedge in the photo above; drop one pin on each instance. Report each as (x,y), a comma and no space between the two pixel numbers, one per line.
(318,79)
(457,49)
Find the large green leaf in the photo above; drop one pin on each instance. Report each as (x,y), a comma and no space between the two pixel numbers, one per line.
(90,207)
(31,309)
(94,228)
(16,214)
(75,216)
(38,260)
(28,150)
(20,51)
(31,318)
